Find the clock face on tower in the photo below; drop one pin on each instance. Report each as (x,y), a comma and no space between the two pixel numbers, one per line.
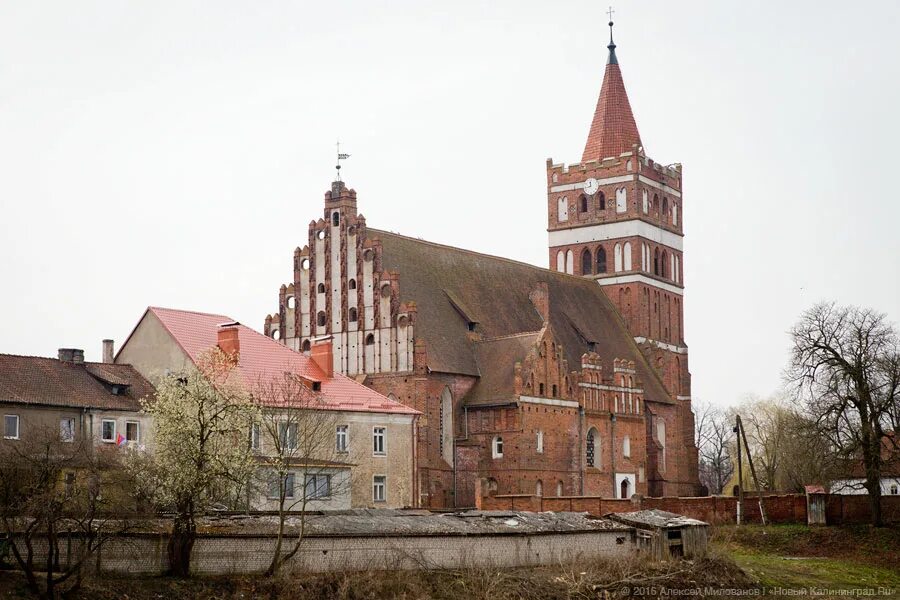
(591,186)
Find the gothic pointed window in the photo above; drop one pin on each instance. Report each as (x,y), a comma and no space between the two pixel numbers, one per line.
(601,201)
(321,318)
(586,262)
(370,340)
(656,262)
(582,204)
(305,346)
(590,454)
(601,260)
(321,288)
(352,315)
(351,284)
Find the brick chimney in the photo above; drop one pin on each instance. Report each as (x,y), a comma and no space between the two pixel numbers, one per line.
(321,355)
(71,355)
(108,352)
(227,338)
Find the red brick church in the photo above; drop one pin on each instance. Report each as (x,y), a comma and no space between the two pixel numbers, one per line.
(560,382)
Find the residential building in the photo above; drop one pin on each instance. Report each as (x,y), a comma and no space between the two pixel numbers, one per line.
(369,458)
(72,399)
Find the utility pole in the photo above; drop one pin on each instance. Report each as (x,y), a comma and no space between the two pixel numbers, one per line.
(762,510)
(740,467)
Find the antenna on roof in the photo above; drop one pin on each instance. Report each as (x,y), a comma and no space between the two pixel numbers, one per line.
(340,156)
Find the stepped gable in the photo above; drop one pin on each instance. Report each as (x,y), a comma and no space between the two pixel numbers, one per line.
(496,291)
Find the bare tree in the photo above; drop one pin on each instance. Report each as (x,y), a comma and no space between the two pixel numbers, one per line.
(845,369)
(297,435)
(715,442)
(50,490)
(201,419)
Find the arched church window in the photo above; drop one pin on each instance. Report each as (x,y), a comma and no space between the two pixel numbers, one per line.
(601,201)
(662,264)
(590,454)
(291,302)
(321,288)
(582,204)
(656,261)
(352,314)
(539,488)
(570,262)
(370,340)
(351,284)
(586,262)
(335,218)
(617,257)
(276,334)
(665,209)
(321,318)
(601,260)
(304,347)
(321,234)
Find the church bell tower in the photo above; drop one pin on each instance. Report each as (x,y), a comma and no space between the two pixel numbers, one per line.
(616,217)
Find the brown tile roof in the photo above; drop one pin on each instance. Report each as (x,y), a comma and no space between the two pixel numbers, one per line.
(47,381)
(496,359)
(496,292)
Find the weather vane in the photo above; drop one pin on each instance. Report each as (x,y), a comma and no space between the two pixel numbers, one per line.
(340,156)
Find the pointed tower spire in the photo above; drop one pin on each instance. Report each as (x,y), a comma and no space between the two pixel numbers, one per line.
(613,130)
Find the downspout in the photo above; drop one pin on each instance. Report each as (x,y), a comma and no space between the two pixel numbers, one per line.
(612,453)
(582,459)
(414,427)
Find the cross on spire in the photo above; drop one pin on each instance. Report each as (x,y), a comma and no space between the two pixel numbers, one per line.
(612,45)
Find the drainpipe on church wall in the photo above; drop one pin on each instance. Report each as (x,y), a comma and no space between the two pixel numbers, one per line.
(612,452)
(581,449)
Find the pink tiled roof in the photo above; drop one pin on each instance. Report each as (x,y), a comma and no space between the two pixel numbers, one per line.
(261,358)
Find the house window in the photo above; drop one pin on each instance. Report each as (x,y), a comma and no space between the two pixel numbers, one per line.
(341,439)
(132,431)
(497,447)
(254,436)
(540,442)
(379,483)
(11,427)
(378,438)
(67,429)
(287,436)
(275,490)
(318,486)
(108,430)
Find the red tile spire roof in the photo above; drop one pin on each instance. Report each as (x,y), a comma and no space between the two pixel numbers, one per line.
(613,130)
(261,358)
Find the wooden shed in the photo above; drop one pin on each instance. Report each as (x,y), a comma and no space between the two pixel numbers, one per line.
(665,535)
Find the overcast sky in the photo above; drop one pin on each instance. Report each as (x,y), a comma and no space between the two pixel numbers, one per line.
(173,153)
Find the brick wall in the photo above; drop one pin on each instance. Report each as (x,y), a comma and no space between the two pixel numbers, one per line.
(247,554)
(786,508)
